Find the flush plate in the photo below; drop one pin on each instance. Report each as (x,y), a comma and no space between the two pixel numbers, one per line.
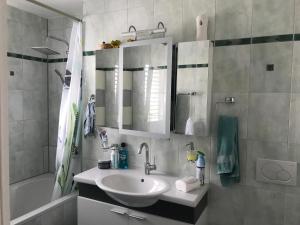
(276,171)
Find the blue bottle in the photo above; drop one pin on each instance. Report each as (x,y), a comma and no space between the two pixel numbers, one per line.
(123,156)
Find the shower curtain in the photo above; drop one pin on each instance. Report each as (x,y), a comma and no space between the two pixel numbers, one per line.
(69,130)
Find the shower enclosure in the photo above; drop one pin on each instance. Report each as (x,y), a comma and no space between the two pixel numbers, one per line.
(37,55)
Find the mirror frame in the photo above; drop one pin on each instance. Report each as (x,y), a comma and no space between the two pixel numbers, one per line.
(166,134)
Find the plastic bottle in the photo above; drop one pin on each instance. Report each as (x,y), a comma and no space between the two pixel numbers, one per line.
(200,168)
(123,157)
(114,157)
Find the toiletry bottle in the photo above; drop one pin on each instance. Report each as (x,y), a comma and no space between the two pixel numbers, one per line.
(114,157)
(123,156)
(200,167)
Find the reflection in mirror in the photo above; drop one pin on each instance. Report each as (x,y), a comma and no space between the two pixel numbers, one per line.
(194,83)
(146,81)
(107,81)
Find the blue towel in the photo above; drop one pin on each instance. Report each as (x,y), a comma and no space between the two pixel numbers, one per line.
(228,150)
(90,117)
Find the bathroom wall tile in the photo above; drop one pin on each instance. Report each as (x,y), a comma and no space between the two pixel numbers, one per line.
(93,7)
(35,105)
(135,15)
(52,159)
(166,156)
(14,14)
(60,23)
(35,134)
(239,109)
(28,164)
(46,159)
(33,37)
(268,117)
(114,23)
(93,32)
(12,162)
(170,13)
(15,82)
(16,138)
(226,206)
(296,67)
(34,75)
(264,207)
(272,17)
(15,105)
(115,5)
(291,206)
(297,16)
(54,109)
(294,130)
(15,36)
(233,19)
(148,4)
(278,54)
(88,164)
(266,150)
(193,8)
(231,69)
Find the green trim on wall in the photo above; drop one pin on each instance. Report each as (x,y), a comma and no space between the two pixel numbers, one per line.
(257,40)
(34,58)
(192,66)
(89,53)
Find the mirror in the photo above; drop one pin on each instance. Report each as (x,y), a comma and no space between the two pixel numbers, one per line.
(107,78)
(145,87)
(194,84)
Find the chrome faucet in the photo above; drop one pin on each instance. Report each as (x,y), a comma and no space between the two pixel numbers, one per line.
(148,166)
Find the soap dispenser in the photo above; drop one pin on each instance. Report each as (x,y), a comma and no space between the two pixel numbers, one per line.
(191,155)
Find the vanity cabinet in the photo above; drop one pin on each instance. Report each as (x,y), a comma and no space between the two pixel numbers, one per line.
(92,212)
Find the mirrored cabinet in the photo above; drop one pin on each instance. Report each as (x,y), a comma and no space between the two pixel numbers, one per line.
(134,82)
(193,88)
(145,87)
(107,89)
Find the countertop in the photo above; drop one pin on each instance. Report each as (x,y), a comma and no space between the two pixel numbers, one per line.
(190,199)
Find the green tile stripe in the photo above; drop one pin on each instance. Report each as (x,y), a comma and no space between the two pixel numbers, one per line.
(257,40)
(229,42)
(192,66)
(89,53)
(106,68)
(270,39)
(37,59)
(143,68)
(297,37)
(27,57)
(59,60)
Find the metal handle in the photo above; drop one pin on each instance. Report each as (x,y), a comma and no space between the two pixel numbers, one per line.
(119,211)
(137,217)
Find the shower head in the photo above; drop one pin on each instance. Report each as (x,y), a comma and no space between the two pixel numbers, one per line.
(45,50)
(59,74)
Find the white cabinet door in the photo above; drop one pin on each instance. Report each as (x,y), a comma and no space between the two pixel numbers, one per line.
(91,212)
(138,218)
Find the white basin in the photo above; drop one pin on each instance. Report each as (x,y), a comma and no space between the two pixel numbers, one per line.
(133,190)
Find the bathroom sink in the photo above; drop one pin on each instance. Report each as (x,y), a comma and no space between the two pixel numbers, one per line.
(133,190)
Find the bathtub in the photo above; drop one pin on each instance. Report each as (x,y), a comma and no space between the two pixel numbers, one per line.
(30,202)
